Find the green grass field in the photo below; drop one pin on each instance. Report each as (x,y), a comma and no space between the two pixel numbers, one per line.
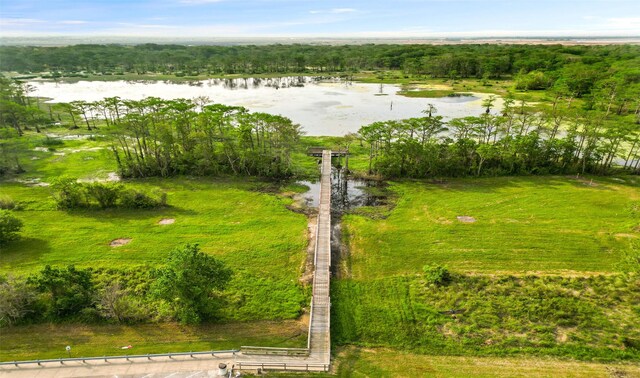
(21,343)
(526,224)
(537,272)
(244,222)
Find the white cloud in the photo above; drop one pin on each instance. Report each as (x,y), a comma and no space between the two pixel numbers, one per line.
(19,21)
(624,23)
(342,10)
(334,11)
(199,2)
(73,22)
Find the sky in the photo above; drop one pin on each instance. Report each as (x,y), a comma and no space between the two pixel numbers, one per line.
(320,19)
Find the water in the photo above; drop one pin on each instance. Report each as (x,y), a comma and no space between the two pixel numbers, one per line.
(346,193)
(327,107)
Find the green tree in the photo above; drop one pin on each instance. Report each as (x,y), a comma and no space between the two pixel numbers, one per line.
(67,291)
(9,226)
(189,283)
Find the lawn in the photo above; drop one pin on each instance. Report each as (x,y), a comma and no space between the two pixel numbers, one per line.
(244,222)
(522,224)
(48,341)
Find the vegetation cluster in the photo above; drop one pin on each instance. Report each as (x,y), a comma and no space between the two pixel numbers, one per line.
(537,66)
(582,317)
(70,194)
(186,288)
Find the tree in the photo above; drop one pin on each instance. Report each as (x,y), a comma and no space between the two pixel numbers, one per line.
(67,290)
(9,226)
(189,282)
(16,300)
(117,303)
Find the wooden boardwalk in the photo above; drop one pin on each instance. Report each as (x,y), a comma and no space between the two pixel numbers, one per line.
(319,325)
(316,357)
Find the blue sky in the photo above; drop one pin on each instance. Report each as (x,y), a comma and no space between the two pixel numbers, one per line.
(328,18)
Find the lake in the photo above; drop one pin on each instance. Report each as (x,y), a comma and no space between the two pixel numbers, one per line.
(322,107)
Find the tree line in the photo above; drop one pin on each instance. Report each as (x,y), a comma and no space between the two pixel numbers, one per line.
(490,61)
(517,140)
(155,137)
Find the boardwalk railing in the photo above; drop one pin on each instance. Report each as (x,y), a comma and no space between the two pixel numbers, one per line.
(213,353)
(270,351)
(286,366)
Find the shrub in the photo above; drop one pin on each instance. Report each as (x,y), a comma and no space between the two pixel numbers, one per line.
(437,275)
(135,199)
(17,300)
(9,226)
(189,281)
(105,193)
(69,194)
(7,203)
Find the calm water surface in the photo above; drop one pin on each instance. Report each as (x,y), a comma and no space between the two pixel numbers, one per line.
(328,107)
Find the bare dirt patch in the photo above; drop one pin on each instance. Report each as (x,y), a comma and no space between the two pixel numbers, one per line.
(167,221)
(307,276)
(119,242)
(466,219)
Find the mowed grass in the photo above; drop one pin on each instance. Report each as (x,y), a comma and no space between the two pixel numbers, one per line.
(107,339)
(353,362)
(524,224)
(252,231)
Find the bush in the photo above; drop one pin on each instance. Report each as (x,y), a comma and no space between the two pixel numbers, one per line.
(189,282)
(135,199)
(69,194)
(105,193)
(17,300)
(9,226)
(7,203)
(437,275)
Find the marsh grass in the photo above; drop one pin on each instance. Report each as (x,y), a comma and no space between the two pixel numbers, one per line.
(586,318)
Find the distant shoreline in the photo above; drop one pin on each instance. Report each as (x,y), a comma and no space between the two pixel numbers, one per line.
(74,40)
